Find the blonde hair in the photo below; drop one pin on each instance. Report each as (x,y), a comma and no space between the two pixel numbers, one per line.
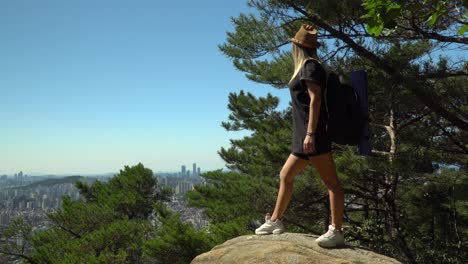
(300,56)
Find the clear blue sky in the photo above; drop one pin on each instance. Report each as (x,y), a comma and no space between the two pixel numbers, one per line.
(91,86)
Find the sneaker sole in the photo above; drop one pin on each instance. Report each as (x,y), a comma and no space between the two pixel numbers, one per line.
(277,231)
(330,246)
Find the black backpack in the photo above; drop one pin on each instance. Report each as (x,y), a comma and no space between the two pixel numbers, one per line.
(345,117)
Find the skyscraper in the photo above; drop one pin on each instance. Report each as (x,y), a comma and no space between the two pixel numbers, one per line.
(194,169)
(183,170)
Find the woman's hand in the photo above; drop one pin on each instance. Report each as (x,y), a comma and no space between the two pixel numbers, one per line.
(308,27)
(309,143)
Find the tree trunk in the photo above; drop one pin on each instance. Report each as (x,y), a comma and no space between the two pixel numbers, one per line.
(391,179)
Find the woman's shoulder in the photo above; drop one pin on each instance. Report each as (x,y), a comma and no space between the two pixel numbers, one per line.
(313,68)
(312,65)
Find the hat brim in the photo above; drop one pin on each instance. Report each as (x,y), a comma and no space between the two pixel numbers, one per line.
(305,45)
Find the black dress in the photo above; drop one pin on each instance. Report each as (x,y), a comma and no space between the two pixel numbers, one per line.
(312,70)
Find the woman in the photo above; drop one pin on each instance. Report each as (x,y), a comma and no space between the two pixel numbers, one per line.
(310,142)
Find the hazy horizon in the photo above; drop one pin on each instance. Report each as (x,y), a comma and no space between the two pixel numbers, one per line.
(32,174)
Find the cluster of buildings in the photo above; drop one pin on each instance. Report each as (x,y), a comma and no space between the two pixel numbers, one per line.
(190,215)
(32,203)
(18,178)
(182,181)
(21,196)
(187,173)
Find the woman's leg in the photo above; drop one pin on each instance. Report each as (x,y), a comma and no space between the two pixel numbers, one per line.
(325,166)
(292,167)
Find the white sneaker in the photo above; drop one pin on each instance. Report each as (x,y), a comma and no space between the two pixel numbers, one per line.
(269,227)
(332,238)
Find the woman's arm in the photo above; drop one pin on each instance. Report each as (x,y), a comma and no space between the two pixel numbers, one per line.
(314,91)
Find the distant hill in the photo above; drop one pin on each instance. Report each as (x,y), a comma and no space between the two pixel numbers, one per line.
(55,181)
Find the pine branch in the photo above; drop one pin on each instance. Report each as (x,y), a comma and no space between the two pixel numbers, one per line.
(443,75)
(414,120)
(436,36)
(456,142)
(381,153)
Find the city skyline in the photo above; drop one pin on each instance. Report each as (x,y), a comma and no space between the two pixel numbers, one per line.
(22,173)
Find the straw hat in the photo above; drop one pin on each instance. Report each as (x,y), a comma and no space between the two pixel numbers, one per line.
(306,38)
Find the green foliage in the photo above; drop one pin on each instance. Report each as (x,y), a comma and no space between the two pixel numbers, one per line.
(120,241)
(231,200)
(107,226)
(18,229)
(264,151)
(120,192)
(112,223)
(462,30)
(380,14)
(436,213)
(276,74)
(175,241)
(386,14)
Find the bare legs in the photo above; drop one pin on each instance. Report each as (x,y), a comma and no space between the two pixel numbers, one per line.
(291,168)
(325,166)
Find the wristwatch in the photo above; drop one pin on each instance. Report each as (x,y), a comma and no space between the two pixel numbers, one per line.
(310,133)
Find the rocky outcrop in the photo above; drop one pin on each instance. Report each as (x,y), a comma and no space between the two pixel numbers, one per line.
(286,248)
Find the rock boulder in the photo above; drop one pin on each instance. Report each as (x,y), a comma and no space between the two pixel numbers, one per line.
(286,248)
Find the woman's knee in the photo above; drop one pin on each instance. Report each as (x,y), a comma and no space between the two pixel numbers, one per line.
(292,167)
(333,185)
(286,176)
